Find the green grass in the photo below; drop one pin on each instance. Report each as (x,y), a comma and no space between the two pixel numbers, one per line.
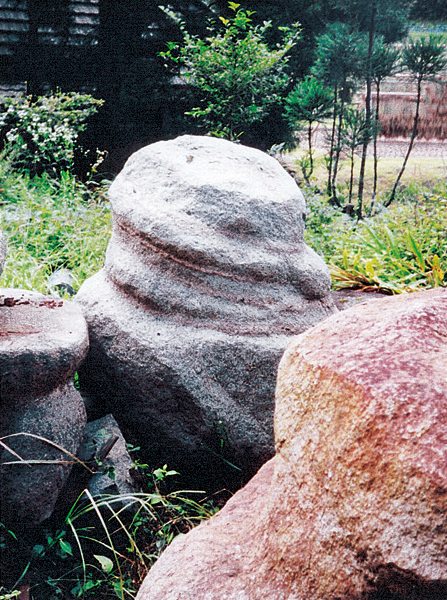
(420,170)
(399,249)
(104,546)
(49,225)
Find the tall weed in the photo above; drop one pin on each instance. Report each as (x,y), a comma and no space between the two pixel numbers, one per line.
(51,224)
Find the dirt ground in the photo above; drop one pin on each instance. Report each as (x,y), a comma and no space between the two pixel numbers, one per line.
(395,147)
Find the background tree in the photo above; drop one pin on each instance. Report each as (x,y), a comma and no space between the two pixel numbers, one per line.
(338,64)
(356,131)
(386,18)
(309,102)
(424,59)
(435,9)
(312,17)
(389,18)
(384,61)
(238,78)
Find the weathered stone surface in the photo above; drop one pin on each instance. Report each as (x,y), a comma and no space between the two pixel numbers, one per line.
(206,278)
(43,340)
(354,504)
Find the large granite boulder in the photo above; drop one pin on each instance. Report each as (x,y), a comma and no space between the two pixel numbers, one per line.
(43,340)
(206,279)
(354,504)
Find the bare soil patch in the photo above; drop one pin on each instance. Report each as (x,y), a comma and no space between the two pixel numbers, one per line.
(391,147)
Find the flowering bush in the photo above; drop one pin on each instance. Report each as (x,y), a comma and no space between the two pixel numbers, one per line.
(40,135)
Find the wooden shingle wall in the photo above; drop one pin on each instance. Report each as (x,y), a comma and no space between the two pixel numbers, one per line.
(53,26)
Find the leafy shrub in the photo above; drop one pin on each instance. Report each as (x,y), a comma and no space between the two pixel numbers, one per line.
(41,134)
(237,76)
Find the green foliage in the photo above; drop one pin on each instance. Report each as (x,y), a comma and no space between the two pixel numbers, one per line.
(51,224)
(424,57)
(388,17)
(312,17)
(384,60)
(356,130)
(238,78)
(105,545)
(339,57)
(402,248)
(41,134)
(340,64)
(309,102)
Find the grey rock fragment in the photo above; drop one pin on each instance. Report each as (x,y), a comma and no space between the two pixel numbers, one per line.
(104,447)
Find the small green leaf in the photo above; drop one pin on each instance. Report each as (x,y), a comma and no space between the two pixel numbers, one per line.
(156,499)
(106,563)
(39,550)
(416,249)
(66,547)
(369,269)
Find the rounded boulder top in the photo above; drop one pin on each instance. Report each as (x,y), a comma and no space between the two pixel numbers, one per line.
(211,183)
(43,340)
(215,204)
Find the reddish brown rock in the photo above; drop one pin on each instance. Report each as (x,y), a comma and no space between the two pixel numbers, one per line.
(354,504)
(43,340)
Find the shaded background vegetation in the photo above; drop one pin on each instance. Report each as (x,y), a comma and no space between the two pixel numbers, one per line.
(115,57)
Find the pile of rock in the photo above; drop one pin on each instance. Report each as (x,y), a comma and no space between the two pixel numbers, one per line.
(354,504)
(206,279)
